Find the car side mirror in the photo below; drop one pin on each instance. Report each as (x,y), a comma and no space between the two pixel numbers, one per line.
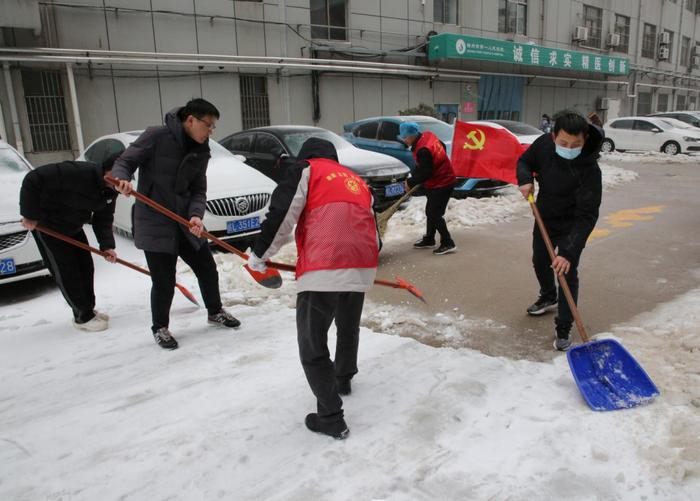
(655,130)
(240,157)
(281,158)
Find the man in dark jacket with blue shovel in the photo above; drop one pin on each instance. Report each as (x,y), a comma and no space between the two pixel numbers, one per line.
(565,165)
(172,161)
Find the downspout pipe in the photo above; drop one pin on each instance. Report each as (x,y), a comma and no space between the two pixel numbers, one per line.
(74,106)
(13,109)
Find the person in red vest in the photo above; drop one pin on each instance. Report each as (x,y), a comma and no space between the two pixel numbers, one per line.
(434,171)
(338,250)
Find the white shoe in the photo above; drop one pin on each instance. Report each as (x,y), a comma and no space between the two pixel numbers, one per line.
(101,315)
(96,324)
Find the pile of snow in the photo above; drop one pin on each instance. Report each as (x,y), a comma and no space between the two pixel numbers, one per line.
(470,212)
(110,415)
(650,157)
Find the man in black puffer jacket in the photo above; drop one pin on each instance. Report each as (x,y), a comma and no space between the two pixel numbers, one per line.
(172,161)
(63,197)
(565,165)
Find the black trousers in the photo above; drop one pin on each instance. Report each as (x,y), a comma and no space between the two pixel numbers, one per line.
(315,313)
(435,207)
(545,276)
(162,267)
(73,270)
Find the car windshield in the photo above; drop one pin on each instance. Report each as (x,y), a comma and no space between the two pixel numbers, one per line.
(443,131)
(217,150)
(518,128)
(294,140)
(11,163)
(676,123)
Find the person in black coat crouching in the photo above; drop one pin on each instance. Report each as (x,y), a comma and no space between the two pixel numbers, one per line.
(63,197)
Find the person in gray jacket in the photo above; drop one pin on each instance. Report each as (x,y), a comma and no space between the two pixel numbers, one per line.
(337,253)
(173,162)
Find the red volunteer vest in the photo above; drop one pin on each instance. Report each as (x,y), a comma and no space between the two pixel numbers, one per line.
(443,175)
(337,229)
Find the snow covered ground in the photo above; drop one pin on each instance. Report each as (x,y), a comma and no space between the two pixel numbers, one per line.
(650,157)
(111,416)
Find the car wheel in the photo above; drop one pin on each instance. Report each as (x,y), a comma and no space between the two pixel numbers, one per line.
(608,146)
(671,148)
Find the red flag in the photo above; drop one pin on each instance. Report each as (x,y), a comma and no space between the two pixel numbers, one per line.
(485,152)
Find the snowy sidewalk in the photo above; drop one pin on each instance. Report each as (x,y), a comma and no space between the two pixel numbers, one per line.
(110,416)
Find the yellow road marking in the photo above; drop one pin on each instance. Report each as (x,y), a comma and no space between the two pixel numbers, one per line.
(626,218)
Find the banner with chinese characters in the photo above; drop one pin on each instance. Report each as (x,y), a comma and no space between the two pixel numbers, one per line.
(450,45)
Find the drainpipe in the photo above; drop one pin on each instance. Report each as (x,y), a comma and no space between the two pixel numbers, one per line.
(3,131)
(74,105)
(284,80)
(13,109)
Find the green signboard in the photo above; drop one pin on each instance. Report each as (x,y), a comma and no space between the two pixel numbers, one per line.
(450,45)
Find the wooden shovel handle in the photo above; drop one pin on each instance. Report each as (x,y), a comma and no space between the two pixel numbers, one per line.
(560,276)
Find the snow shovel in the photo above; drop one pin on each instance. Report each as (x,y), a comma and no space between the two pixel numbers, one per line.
(383,217)
(399,283)
(608,377)
(270,279)
(86,247)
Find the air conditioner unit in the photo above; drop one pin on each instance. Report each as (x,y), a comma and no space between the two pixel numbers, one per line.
(613,39)
(696,61)
(604,103)
(581,34)
(664,38)
(664,53)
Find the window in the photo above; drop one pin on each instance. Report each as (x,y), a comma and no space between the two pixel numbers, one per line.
(685,51)
(46,110)
(680,102)
(268,144)
(329,19)
(593,20)
(622,28)
(644,125)
(622,124)
(690,5)
(662,102)
(255,107)
(649,41)
(644,103)
(389,131)
(512,16)
(445,11)
(242,143)
(367,130)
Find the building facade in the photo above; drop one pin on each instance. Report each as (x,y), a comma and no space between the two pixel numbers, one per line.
(74,70)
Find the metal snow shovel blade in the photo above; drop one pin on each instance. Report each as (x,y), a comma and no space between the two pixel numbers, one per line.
(607,376)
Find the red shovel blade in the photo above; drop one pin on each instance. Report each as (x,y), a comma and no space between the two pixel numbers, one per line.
(403,284)
(187,294)
(270,279)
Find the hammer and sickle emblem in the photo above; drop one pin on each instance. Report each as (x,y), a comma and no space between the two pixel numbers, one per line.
(475,140)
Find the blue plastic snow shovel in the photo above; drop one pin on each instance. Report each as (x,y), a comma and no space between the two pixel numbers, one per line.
(608,377)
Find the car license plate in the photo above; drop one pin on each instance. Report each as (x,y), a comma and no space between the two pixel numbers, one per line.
(393,190)
(252,223)
(7,267)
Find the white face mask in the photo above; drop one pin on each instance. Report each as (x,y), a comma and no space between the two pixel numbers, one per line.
(568,153)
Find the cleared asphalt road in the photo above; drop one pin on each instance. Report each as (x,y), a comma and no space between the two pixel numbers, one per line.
(645,251)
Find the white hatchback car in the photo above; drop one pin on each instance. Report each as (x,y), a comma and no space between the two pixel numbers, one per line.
(238,196)
(667,135)
(19,256)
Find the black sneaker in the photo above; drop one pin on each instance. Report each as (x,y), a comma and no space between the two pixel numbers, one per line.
(336,428)
(344,387)
(165,339)
(563,340)
(445,248)
(424,243)
(224,319)
(541,306)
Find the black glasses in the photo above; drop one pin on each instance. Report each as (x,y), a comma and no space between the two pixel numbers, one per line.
(209,126)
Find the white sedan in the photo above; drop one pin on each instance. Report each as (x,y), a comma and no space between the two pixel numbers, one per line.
(238,196)
(19,256)
(666,135)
